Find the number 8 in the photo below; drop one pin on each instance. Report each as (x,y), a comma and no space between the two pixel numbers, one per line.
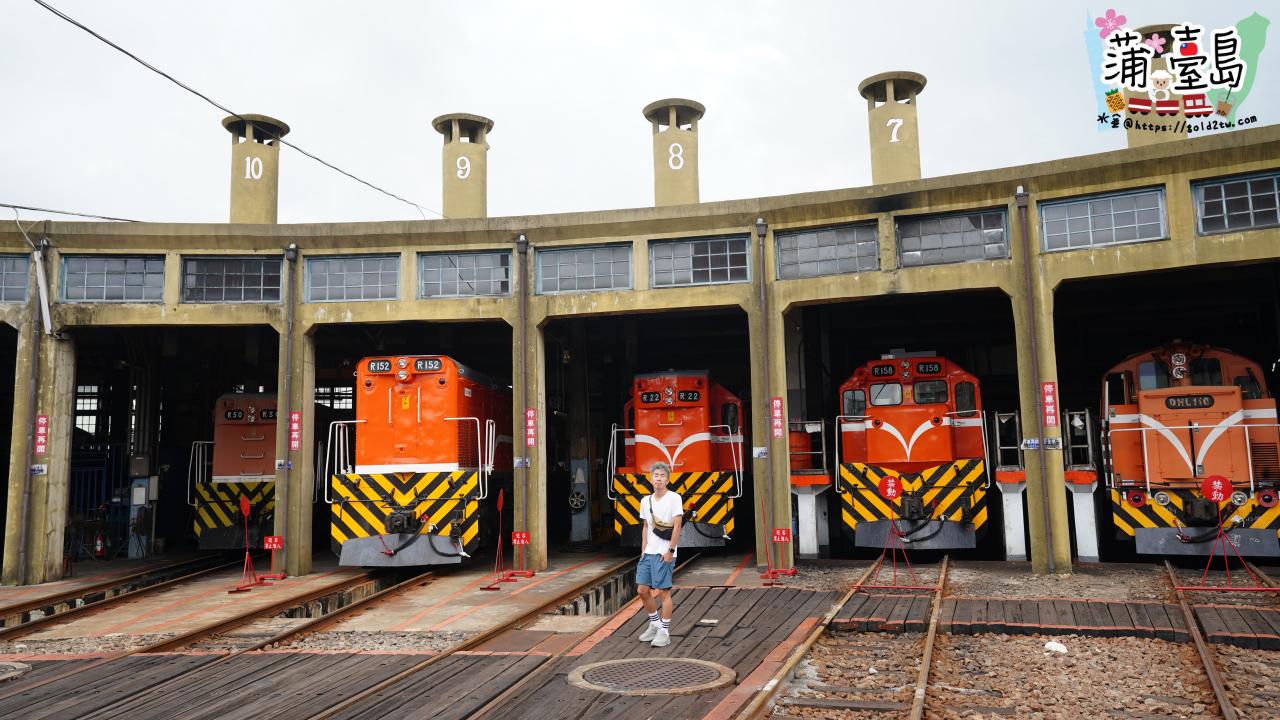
(675,156)
(464,168)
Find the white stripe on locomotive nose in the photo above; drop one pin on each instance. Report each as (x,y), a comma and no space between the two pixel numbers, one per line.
(1260,414)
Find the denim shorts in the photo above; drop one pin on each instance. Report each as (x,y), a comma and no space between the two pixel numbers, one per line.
(653,572)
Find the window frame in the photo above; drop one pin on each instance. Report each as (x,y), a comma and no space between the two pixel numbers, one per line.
(280,273)
(26,277)
(946,392)
(871,403)
(540,253)
(780,235)
(126,257)
(1003,211)
(1197,200)
(307,271)
(1162,206)
(422,274)
(746,252)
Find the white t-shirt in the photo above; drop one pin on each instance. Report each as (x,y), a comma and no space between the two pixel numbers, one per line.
(665,510)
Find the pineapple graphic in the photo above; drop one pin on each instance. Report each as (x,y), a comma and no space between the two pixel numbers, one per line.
(1115,101)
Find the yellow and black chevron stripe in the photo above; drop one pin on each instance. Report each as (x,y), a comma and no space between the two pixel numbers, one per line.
(218,505)
(953,491)
(362,503)
(707,497)
(1128,518)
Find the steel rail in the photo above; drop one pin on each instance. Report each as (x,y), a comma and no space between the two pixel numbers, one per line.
(759,706)
(89,608)
(1262,576)
(1206,658)
(922,682)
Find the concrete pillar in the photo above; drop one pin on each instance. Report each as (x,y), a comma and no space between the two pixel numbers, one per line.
(299,488)
(1165,124)
(47,507)
(529,510)
(19,461)
(255,167)
(465,164)
(892,123)
(675,150)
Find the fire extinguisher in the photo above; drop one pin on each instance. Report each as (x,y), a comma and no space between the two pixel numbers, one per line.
(100,545)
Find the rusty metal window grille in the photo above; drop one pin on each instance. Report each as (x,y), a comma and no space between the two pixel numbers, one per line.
(594,268)
(114,278)
(1103,220)
(87,406)
(828,251)
(952,238)
(699,261)
(13,278)
(231,279)
(464,274)
(338,398)
(366,277)
(1238,203)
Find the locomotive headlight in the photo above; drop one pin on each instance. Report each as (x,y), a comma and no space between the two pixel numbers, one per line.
(1239,498)
(1162,498)
(404,362)
(670,392)
(670,401)
(402,375)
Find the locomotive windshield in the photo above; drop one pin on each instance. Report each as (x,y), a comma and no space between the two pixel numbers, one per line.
(855,403)
(930,391)
(886,394)
(1153,375)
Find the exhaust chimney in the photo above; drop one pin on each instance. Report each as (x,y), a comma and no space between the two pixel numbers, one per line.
(891,120)
(466,168)
(1158,127)
(675,150)
(255,167)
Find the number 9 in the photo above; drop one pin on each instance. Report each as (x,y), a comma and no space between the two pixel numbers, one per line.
(464,168)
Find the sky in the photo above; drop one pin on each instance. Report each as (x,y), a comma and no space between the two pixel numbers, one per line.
(84,128)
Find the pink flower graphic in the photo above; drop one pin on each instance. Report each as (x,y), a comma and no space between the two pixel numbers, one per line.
(1155,42)
(1109,24)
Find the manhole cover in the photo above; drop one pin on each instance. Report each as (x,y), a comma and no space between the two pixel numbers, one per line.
(652,676)
(10,670)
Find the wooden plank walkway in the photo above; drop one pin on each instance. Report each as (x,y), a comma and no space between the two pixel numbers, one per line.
(755,631)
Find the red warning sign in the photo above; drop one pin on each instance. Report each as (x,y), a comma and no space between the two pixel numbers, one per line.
(1049,396)
(273,542)
(530,427)
(776,417)
(1216,488)
(890,487)
(520,537)
(295,431)
(41,444)
(782,535)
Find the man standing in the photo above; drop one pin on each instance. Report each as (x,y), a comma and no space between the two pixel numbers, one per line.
(661,513)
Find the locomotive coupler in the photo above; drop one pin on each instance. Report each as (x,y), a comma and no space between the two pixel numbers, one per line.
(912,507)
(402,521)
(1201,512)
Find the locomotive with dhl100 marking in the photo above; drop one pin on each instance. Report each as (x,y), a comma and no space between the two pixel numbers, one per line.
(1179,415)
(690,422)
(239,461)
(432,447)
(912,453)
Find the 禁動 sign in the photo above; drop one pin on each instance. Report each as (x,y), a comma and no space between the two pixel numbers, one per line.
(42,435)
(782,535)
(890,487)
(530,427)
(1049,394)
(1216,488)
(295,431)
(273,542)
(776,418)
(520,537)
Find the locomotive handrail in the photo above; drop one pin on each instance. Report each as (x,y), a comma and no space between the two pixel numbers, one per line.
(986,451)
(196,461)
(674,424)
(736,456)
(1248,447)
(613,458)
(480,464)
(840,441)
(338,452)
(315,487)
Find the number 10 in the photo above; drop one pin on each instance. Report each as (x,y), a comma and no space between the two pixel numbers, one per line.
(252,168)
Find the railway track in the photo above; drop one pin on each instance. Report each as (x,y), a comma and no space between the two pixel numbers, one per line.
(21,618)
(1207,659)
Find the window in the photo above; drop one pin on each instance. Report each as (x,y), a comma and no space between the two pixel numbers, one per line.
(1116,394)
(231,279)
(855,403)
(886,394)
(338,398)
(729,416)
(87,405)
(1250,389)
(1237,204)
(930,391)
(1103,220)
(826,251)
(464,274)
(370,277)
(114,278)
(597,268)
(958,237)
(13,278)
(1206,371)
(966,399)
(701,261)
(1153,375)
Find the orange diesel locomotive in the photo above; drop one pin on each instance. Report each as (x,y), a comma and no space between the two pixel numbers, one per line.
(243,453)
(912,453)
(690,422)
(429,436)
(1173,416)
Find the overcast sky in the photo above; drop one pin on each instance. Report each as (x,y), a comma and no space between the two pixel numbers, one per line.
(87,129)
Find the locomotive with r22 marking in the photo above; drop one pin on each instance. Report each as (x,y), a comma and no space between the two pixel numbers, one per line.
(240,460)
(432,447)
(690,422)
(912,454)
